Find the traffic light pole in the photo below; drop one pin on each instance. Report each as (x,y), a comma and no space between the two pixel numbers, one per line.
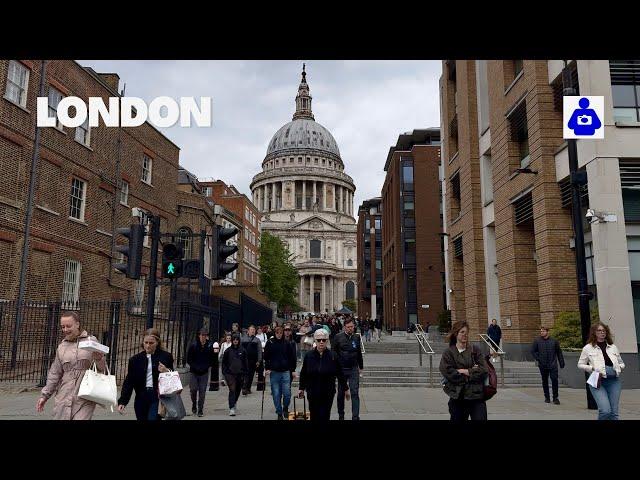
(155,242)
(578,179)
(203,294)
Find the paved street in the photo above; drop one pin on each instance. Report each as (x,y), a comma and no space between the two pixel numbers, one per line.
(376,404)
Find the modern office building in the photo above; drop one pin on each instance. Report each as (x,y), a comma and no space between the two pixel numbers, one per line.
(370,304)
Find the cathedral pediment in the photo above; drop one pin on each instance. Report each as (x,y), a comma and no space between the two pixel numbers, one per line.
(315,223)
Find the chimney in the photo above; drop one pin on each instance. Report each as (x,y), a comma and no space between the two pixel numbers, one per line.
(111,79)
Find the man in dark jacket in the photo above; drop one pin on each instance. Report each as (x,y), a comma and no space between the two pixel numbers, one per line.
(349,350)
(200,359)
(280,362)
(546,351)
(234,369)
(495,334)
(253,346)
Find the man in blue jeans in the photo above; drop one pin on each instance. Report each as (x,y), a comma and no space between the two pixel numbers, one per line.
(280,365)
(348,347)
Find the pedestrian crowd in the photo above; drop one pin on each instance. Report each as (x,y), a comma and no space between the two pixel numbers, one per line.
(330,349)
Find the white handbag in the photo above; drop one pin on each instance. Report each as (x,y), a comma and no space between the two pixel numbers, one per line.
(169,382)
(99,388)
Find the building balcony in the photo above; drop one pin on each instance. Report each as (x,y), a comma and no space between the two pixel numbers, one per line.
(294,172)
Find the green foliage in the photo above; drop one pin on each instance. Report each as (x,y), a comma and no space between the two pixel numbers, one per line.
(444,321)
(278,277)
(350,304)
(567,329)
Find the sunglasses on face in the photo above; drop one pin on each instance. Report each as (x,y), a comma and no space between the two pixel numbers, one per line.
(321,340)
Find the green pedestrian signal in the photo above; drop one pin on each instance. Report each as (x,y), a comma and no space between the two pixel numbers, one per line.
(171,261)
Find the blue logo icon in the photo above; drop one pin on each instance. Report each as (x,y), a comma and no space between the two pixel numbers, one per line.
(584,120)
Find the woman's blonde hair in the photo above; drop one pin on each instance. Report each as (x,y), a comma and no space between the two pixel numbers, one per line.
(152,332)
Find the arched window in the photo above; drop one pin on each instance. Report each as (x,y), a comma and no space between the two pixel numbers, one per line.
(314,248)
(350,291)
(349,263)
(184,240)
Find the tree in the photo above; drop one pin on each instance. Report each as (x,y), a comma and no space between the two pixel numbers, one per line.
(278,277)
(567,328)
(350,304)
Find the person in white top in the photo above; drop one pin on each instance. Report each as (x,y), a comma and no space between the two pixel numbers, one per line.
(223,346)
(602,356)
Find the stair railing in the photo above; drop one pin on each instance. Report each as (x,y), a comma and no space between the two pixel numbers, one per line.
(495,348)
(424,347)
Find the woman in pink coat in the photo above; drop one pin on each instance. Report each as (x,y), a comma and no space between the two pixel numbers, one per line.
(65,375)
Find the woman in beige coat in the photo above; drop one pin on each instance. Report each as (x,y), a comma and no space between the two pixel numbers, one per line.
(65,375)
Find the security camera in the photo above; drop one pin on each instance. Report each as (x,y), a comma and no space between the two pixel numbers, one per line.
(590,213)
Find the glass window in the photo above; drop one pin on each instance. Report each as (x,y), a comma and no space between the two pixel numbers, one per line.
(408,205)
(407,176)
(78,195)
(71,284)
(350,290)
(367,224)
(623,95)
(124,193)
(147,167)
(377,224)
(83,132)
(378,264)
(185,241)
(625,115)
(17,83)
(54,99)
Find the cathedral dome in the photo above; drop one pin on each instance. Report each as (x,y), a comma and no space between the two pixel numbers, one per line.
(303,133)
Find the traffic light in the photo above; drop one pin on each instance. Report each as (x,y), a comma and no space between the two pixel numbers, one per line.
(135,233)
(221,251)
(171,261)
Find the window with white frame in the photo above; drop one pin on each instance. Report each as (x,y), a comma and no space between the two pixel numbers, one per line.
(78,196)
(184,240)
(54,99)
(147,167)
(83,133)
(246,234)
(138,294)
(124,193)
(17,83)
(71,284)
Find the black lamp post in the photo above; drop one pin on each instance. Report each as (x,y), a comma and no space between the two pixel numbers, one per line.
(577,180)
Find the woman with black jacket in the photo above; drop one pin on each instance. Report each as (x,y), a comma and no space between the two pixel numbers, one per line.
(320,369)
(464,370)
(142,377)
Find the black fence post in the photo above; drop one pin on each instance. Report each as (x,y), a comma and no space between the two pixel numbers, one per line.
(114,330)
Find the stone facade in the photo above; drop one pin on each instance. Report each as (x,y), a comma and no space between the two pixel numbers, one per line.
(307,200)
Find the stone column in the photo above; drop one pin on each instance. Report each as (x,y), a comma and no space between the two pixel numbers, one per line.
(282,207)
(301,293)
(324,195)
(311,305)
(349,201)
(273,196)
(333,300)
(340,203)
(313,200)
(304,194)
(323,295)
(333,197)
(263,195)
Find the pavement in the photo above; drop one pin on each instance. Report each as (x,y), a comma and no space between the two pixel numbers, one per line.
(375,404)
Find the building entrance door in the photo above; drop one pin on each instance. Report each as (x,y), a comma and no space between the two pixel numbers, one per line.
(316,302)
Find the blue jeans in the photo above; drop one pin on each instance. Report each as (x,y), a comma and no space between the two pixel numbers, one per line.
(281,387)
(607,396)
(353,379)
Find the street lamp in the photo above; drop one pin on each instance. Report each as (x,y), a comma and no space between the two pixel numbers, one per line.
(577,179)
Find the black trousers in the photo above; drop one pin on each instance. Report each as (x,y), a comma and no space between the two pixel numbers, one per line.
(461,410)
(546,373)
(248,379)
(198,389)
(261,380)
(234,382)
(146,405)
(320,407)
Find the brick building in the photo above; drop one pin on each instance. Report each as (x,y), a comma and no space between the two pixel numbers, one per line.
(88,181)
(369,246)
(412,260)
(508,199)
(243,214)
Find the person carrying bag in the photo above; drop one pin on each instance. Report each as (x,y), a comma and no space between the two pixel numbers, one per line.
(99,388)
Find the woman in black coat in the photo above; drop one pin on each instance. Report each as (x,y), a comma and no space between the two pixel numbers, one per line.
(142,377)
(320,369)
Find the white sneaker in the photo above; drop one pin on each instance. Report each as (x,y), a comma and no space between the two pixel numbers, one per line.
(232,412)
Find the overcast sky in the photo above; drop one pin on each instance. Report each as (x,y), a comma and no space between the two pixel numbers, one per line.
(364,104)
